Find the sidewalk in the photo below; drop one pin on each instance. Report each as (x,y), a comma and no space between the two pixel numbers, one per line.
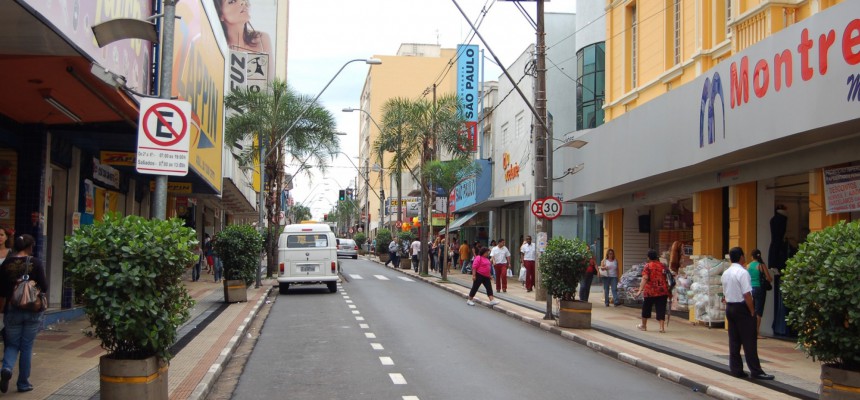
(692,355)
(65,360)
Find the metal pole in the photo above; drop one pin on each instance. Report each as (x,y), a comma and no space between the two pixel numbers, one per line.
(159,209)
(260,204)
(543,174)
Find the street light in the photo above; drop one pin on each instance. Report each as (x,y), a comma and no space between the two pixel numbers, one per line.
(264,155)
(381,194)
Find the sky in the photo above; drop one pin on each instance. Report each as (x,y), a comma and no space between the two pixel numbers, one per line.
(325,34)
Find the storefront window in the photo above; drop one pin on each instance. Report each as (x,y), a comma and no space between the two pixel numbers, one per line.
(590,64)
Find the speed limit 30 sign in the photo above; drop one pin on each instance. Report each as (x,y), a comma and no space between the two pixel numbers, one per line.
(163,137)
(551,207)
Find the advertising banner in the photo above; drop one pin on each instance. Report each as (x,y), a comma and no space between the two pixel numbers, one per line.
(467,92)
(198,71)
(74,20)
(842,189)
(250,27)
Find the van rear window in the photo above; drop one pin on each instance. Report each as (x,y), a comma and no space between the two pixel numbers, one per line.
(304,241)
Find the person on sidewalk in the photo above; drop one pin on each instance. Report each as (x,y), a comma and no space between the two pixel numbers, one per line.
(501,258)
(758,272)
(209,252)
(195,270)
(587,278)
(740,316)
(416,251)
(655,289)
(394,250)
(21,325)
(527,257)
(481,276)
(465,253)
(609,274)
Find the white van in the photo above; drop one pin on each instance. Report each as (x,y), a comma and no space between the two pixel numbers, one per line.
(307,254)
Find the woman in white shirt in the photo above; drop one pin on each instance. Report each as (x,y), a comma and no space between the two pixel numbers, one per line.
(609,275)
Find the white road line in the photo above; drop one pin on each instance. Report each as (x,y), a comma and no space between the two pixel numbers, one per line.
(410,398)
(370,335)
(377,346)
(345,297)
(353,306)
(397,379)
(359,318)
(386,360)
(407,280)
(381,277)
(354,276)
(349,302)
(364,326)
(356,312)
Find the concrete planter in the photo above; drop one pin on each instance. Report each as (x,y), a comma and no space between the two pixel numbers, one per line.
(133,379)
(235,291)
(574,314)
(839,383)
(384,257)
(405,263)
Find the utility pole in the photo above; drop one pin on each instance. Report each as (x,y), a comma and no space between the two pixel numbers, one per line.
(543,172)
(167,27)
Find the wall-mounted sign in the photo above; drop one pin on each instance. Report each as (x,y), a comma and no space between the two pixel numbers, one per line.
(105,174)
(512,171)
(842,189)
(122,158)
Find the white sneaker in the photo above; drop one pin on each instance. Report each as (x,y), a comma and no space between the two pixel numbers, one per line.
(494,302)
(470,302)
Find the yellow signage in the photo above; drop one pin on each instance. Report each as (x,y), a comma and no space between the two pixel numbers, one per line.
(117,158)
(174,187)
(198,71)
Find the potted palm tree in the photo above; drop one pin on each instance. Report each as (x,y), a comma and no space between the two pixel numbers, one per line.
(128,272)
(239,247)
(383,238)
(821,287)
(562,266)
(360,239)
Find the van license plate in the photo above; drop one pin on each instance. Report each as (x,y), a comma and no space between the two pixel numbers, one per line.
(308,268)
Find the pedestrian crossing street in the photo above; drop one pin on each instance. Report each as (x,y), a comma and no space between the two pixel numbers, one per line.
(381,278)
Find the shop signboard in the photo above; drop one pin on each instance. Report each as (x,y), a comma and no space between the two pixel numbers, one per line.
(842,189)
(473,190)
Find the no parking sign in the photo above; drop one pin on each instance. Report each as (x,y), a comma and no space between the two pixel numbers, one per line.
(163,137)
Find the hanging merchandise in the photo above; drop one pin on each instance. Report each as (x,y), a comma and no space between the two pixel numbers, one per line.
(682,295)
(629,283)
(707,290)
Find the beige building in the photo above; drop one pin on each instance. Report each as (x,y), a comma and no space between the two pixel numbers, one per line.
(411,73)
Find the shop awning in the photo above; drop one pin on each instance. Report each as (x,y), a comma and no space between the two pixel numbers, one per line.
(458,223)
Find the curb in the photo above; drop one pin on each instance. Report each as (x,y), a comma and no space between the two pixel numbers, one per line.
(205,386)
(660,372)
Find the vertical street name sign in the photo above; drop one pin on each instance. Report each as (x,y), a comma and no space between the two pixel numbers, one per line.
(163,137)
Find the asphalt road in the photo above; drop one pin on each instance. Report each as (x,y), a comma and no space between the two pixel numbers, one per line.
(385,337)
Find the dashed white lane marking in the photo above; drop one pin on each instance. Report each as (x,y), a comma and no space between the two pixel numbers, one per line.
(354,276)
(407,280)
(397,379)
(359,318)
(352,306)
(349,302)
(345,297)
(370,335)
(410,398)
(356,312)
(381,277)
(377,346)
(364,326)
(386,360)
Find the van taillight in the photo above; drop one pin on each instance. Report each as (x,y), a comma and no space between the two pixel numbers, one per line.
(356,247)
(281,268)
(333,266)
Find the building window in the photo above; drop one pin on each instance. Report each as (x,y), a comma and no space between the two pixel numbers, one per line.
(728,17)
(677,32)
(590,89)
(634,44)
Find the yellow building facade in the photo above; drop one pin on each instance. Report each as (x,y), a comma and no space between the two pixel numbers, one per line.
(411,73)
(718,112)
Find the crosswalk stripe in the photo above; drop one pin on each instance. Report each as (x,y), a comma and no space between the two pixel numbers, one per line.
(355,276)
(397,379)
(381,277)
(406,279)
(386,360)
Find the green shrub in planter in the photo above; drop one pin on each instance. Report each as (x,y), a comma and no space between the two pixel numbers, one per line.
(821,288)
(239,247)
(128,273)
(360,239)
(383,238)
(562,266)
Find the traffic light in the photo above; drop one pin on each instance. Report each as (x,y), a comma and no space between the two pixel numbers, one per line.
(341,195)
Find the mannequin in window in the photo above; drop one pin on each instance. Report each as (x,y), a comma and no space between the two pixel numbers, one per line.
(777,253)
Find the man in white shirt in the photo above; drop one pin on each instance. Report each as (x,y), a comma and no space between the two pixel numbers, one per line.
(501,259)
(416,250)
(741,317)
(527,256)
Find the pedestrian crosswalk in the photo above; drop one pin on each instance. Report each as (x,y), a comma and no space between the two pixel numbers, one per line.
(382,277)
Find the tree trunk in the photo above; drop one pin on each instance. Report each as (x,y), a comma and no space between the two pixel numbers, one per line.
(447,235)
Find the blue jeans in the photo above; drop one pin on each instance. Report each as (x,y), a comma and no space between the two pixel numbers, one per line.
(21,330)
(219,269)
(195,272)
(610,282)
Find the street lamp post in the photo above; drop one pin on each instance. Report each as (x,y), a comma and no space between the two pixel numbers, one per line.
(276,144)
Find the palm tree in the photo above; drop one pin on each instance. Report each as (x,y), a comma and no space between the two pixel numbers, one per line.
(267,117)
(300,213)
(447,175)
(418,131)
